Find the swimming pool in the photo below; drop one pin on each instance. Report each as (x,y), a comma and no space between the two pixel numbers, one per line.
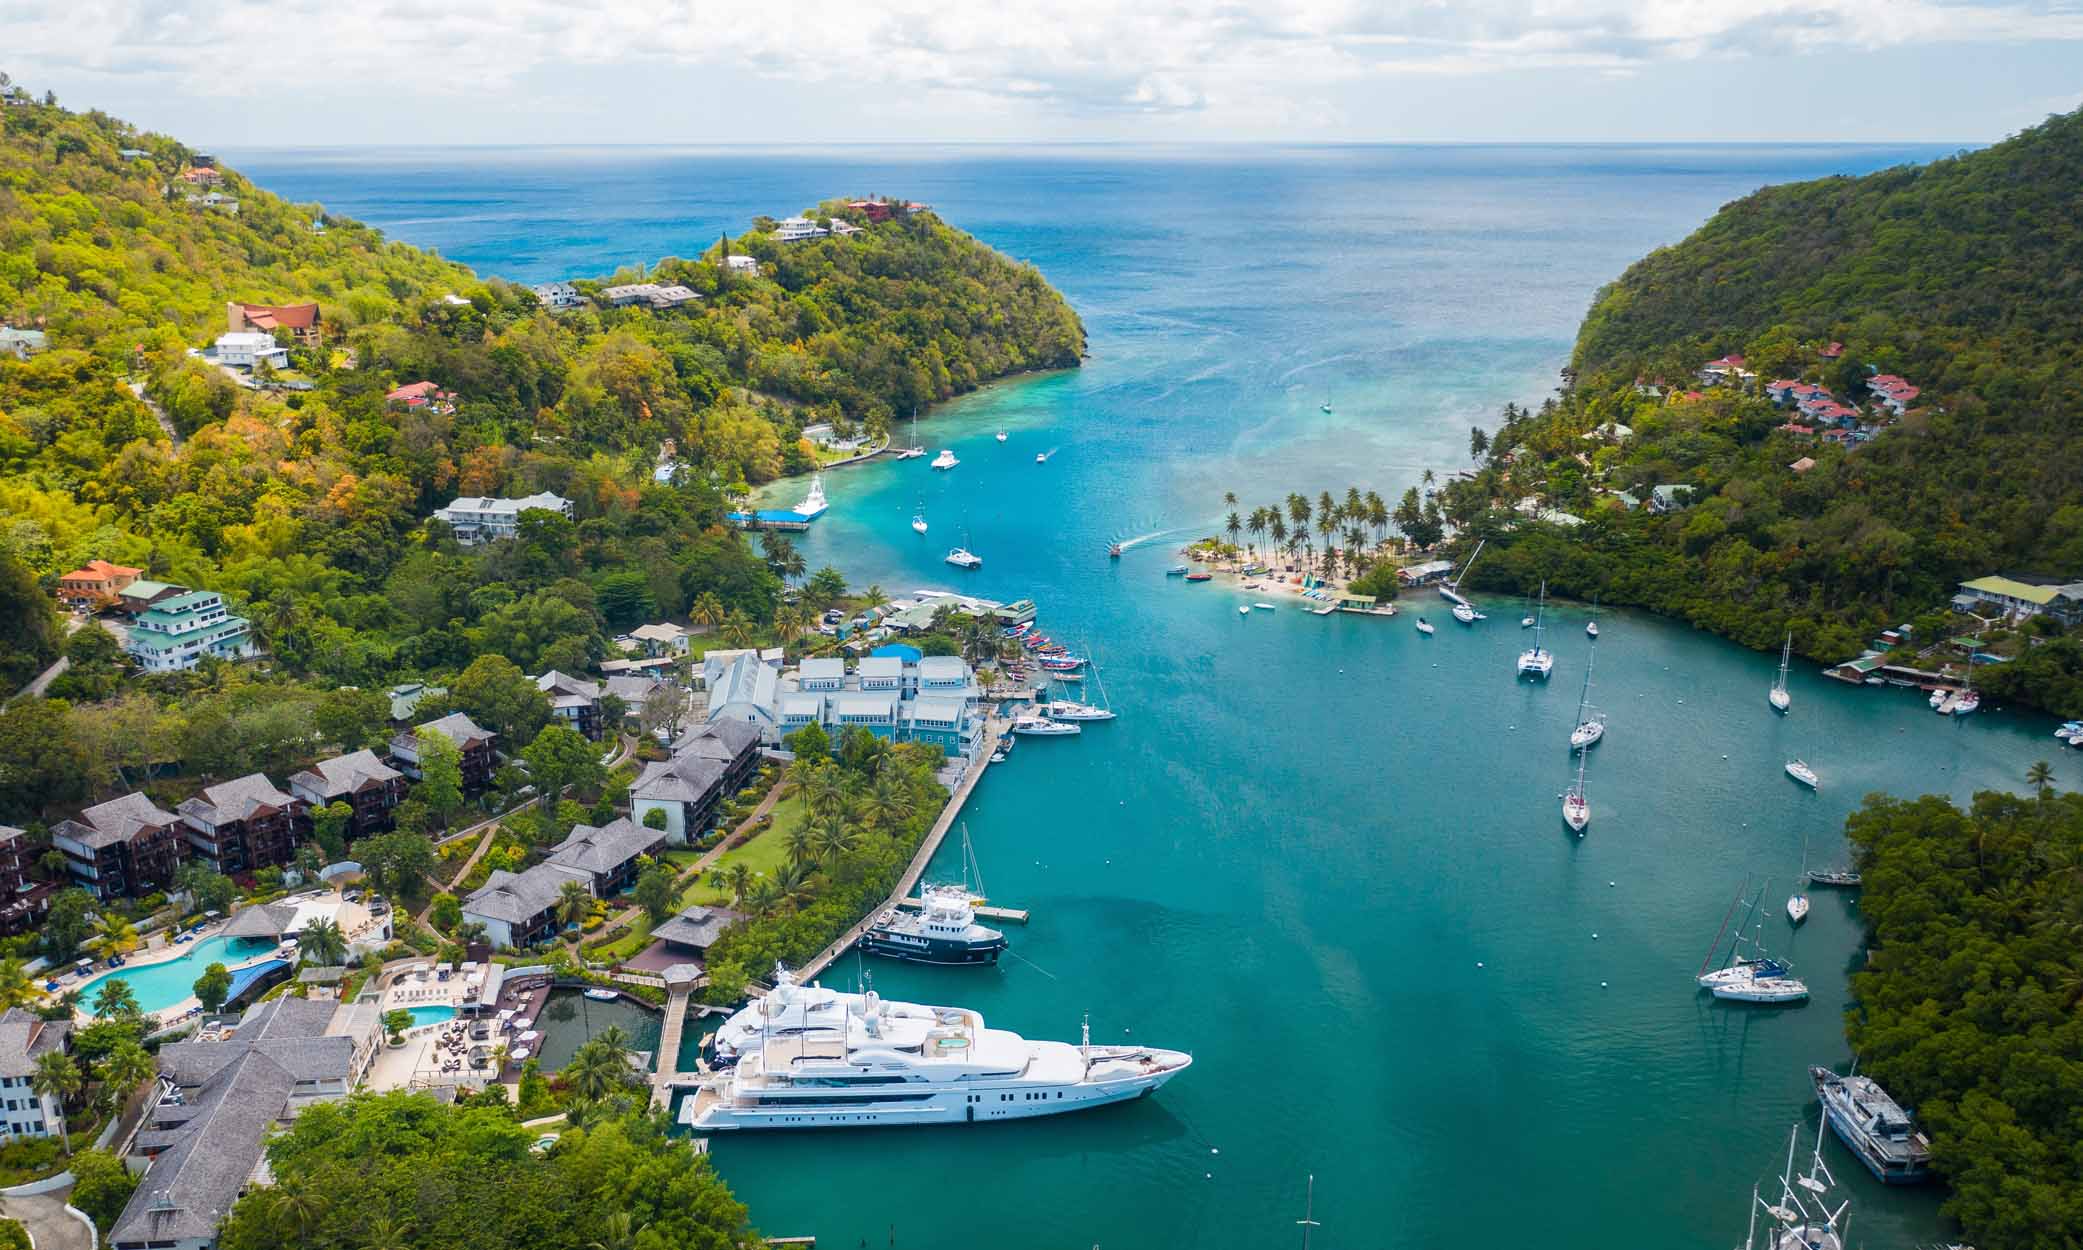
(159,986)
(429,1014)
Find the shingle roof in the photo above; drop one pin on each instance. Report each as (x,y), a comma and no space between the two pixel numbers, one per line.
(239,799)
(455,726)
(697,926)
(606,848)
(117,820)
(519,897)
(24,1036)
(685,778)
(556,683)
(269,920)
(344,774)
(633,690)
(723,740)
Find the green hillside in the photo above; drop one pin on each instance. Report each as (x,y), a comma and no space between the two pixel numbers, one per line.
(1964,277)
(304,498)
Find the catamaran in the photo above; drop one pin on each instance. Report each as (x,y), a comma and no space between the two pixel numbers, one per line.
(1591,723)
(1576,809)
(1779,697)
(945,460)
(964,558)
(809,1057)
(1537,660)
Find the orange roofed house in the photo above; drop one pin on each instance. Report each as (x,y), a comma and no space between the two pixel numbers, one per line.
(301,320)
(96,584)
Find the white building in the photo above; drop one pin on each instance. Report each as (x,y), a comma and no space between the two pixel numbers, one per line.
(747,265)
(481,519)
(650,294)
(248,348)
(797,229)
(23,1038)
(558,296)
(177,633)
(934,700)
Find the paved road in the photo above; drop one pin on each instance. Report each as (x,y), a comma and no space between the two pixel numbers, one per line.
(45,1217)
(41,682)
(165,422)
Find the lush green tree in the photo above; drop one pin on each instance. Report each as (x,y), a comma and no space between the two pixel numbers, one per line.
(14,1236)
(656,892)
(329,826)
(398,863)
(561,757)
(68,923)
(42,760)
(17,989)
(211,890)
(447,912)
(213,987)
(574,903)
(440,788)
(114,935)
(115,999)
(322,942)
(101,1186)
(55,1076)
(353,718)
(655,818)
(810,742)
(495,693)
(126,1066)
(395,1022)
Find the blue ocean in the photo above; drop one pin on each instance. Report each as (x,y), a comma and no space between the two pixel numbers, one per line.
(1321,853)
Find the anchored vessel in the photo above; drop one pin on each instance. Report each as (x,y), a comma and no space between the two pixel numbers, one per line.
(813,505)
(1874,1126)
(945,460)
(1799,770)
(942,931)
(1537,660)
(964,558)
(809,1057)
(1780,699)
(1801,1219)
(1749,979)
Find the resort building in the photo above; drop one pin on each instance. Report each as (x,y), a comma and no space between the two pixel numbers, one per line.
(609,855)
(520,908)
(22,344)
(650,294)
(24,1038)
(222,1096)
(301,320)
(708,765)
(22,901)
(558,296)
(126,847)
(1424,574)
(694,931)
(473,743)
(247,351)
(145,593)
(369,787)
(180,630)
(933,699)
(574,703)
(2017,599)
(661,638)
(739,263)
(797,230)
(744,691)
(95,585)
(1669,498)
(481,519)
(238,826)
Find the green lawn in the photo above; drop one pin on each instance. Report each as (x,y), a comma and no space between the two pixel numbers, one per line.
(763,854)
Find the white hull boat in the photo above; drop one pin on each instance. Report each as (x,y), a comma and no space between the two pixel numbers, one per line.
(918,525)
(1465,614)
(1765,991)
(1801,772)
(1797,908)
(1576,811)
(1425,627)
(1779,697)
(963,558)
(814,504)
(1043,727)
(1588,734)
(1537,660)
(945,460)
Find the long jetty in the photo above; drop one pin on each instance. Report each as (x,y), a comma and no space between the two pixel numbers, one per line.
(993,730)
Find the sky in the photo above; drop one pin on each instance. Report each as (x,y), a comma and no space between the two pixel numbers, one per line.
(253,73)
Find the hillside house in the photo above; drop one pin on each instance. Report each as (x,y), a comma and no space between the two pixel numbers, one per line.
(474,744)
(124,848)
(369,787)
(95,585)
(303,321)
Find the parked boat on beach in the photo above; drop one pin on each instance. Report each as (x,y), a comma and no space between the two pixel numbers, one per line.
(809,1057)
(1874,1127)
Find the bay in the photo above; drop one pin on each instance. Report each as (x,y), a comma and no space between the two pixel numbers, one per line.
(1303,836)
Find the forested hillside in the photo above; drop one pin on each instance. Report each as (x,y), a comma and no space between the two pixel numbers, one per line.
(1971,1009)
(1964,277)
(305,499)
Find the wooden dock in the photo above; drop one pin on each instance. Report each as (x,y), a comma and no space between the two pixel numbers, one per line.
(668,1065)
(993,731)
(1011,915)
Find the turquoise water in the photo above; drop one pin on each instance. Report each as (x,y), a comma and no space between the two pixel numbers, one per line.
(159,986)
(430,1014)
(1304,834)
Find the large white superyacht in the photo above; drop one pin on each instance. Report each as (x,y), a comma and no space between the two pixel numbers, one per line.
(810,1057)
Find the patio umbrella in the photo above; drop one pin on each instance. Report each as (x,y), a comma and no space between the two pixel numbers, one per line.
(520,1053)
(529,1036)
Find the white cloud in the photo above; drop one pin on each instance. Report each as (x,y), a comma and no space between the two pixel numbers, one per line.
(1221,59)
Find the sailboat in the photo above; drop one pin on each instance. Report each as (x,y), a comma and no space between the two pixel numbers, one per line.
(1798,769)
(1781,700)
(914,451)
(1061,709)
(1309,1220)
(1538,660)
(1001,436)
(1967,700)
(1802,1218)
(918,519)
(1591,723)
(1591,626)
(1464,611)
(1758,979)
(1797,902)
(1576,809)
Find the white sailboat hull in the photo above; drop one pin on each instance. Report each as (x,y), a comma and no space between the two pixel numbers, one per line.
(1797,908)
(1589,734)
(1780,699)
(1576,813)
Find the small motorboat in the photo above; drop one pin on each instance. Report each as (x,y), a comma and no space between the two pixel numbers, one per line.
(945,460)
(1263,607)
(1938,699)
(603,996)
(918,524)
(1323,407)
(1525,622)
(1199,575)
(1244,609)
(1465,614)
(1425,627)
(1113,551)
(1177,570)
(1041,457)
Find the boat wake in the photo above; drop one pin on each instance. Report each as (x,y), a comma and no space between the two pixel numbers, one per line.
(1140,539)
(1043,457)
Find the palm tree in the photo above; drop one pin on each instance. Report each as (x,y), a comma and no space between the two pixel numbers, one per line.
(1298,511)
(574,903)
(1229,499)
(738,878)
(890,802)
(115,999)
(831,837)
(737,630)
(707,610)
(127,1066)
(322,943)
(792,884)
(823,791)
(873,598)
(1377,516)
(596,1070)
(617,1232)
(386,1233)
(16,987)
(802,841)
(57,1078)
(298,1206)
(1257,526)
(788,623)
(1234,525)
(114,936)
(761,896)
(2039,776)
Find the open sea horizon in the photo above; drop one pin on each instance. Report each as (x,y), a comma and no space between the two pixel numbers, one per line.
(1322,854)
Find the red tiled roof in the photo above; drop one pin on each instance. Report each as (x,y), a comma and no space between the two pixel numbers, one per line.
(99,570)
(412,391)
(1833,351)
(289,316)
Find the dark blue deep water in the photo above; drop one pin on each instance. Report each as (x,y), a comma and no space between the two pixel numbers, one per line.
(1303,836)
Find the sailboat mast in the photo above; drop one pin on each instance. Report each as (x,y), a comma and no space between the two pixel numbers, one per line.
(1722,931)
(1308,1220)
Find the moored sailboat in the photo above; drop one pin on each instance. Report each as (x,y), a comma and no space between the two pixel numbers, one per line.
(1591,724)
(1537,660)
(1779,697)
